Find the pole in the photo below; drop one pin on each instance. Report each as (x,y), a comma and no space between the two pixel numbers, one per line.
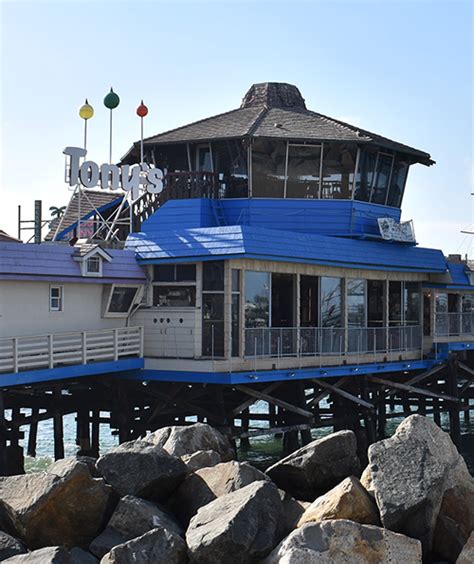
(141,141)
(110,138)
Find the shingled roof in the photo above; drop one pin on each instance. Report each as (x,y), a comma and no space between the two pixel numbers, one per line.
(275,110)
(92,200)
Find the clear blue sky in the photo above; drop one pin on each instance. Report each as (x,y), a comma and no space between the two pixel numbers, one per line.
(402,69)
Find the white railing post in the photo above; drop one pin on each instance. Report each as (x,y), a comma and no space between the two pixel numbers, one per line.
(15,355)
(50,351)
(115,344)
(84,347)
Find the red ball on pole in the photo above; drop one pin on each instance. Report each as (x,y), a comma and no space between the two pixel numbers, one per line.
(142,110)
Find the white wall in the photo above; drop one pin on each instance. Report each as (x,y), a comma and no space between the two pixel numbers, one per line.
(24,309)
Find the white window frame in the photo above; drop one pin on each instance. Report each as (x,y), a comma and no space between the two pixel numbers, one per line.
(85,266)
(60,307)
(135,301)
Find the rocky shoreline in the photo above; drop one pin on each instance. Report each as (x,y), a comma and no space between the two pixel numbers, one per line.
(179,496)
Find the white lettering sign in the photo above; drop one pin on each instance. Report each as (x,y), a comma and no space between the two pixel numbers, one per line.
(112,177)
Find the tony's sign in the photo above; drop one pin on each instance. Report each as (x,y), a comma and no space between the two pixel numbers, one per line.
(110,176)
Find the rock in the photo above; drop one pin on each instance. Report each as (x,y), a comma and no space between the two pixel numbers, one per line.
(338,541)
(201,459)
(348,500)
(411,472)
(317,467)
(64,506)
(467,553)
(10,546)
(291,512)
(366,481)
(239,527)
(159,546)
(48,555)
(180,440)
(207,484)
(455,522)
(79,556)
(143,469)
(132,518)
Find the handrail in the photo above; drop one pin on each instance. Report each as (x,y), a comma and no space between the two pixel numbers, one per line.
(34,352)
(453,324)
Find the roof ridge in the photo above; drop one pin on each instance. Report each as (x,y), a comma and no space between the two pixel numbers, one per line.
(257,120)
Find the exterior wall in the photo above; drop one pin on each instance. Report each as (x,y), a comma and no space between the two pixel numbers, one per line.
(24,309)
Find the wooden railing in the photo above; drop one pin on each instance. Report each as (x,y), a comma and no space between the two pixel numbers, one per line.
(18,354)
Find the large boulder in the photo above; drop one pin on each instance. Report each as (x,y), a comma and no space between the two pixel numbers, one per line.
(143,469)
(348,500)
(239,527)
(64,506)
(317,467)
(207,484)
(159,546)
(291,511)
(409,474)
(328,542)
(201,459)
(181,440)
(455,522)
(49,555)
(10,546)
(80,556)
(467,553)
(132,518)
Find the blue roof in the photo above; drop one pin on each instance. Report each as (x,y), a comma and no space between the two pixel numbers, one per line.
(54,261)
(242,241)
(459,273)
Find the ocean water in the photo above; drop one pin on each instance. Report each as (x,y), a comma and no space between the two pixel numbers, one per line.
(264,450)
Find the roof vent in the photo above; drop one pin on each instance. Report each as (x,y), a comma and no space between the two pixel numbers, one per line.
(273,95)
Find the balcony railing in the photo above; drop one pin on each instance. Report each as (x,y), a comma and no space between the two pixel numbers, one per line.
(454,324)
(18,354)
(278,342)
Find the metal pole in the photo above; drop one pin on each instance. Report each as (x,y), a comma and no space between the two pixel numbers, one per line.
(141,141)
(19,223)
(110,138)
(85,135)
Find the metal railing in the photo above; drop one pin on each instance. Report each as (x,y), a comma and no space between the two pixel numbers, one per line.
(278,342)
(453,324)
(61,349)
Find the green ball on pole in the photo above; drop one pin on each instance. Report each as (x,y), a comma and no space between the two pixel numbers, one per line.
(111,101)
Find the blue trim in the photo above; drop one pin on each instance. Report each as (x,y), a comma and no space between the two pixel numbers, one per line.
(444,348)
(448,286)
(103,208)
(74,371)
(278,375)
(359,266)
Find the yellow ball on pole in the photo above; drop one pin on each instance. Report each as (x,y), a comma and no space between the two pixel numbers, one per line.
(86,111)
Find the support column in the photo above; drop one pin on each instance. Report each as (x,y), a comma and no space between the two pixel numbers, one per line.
(33,434)
(454,425)
(58,425)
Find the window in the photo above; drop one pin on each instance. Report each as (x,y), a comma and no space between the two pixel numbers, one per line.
(304,171)
(268,168)
(213,308)
(331,302)
(338,171)
(356,302)
(93,266)
(56,298)
(174,273)
(174,296)
(235,312)
(257,299)
(120,300)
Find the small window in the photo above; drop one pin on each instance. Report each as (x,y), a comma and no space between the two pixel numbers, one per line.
(174,296)
(122,299)
(174,273)
(93,265)
(56,298)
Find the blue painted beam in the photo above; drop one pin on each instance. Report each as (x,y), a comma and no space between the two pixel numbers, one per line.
(251,377)
(73,371)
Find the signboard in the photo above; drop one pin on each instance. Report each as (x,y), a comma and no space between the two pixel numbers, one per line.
(130,178)
(393,230)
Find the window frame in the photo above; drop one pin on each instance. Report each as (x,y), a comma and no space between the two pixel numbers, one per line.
(60,307)
(136,298)
(93,273)
(175,283)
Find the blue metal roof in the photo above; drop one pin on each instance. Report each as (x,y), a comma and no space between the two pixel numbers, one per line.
(242,241)
(460,280)
(54,261)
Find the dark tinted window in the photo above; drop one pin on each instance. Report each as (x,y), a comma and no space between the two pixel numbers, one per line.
(213,276)
(174,296)
(122,299)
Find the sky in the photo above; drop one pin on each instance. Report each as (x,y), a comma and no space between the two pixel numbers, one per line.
(403,69)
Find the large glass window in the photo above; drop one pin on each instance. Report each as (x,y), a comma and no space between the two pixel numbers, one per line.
(331,302)
(213,308)
(395,303)
(174,273)
(309,297)
(412,301)
(230,162)
(304,168)
(338,171)
(376,303)
(268,168)
(235,312)
(356,302)
(365,174)
(397,183)
(382,178)
(257,299)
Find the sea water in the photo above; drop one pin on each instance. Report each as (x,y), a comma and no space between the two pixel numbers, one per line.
(263,451)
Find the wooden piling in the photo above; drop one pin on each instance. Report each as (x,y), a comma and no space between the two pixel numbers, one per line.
(452,381)
(33,434)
